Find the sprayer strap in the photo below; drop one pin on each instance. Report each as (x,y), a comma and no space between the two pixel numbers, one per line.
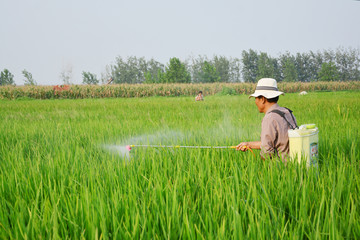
(292,116)
(282,114)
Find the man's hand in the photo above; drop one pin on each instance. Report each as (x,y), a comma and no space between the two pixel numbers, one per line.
(244,146)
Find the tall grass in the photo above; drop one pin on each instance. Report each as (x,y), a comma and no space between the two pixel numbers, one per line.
(58,181)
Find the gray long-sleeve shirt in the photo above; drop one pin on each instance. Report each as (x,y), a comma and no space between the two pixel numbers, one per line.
(274,133)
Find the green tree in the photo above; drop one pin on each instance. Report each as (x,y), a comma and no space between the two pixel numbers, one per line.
(223,68)
(155,78)
(328,55)
(288,69)
(127,71)
(347,62)
(302,64)
(89,78)
(196,68)
(277,69)
(176,72)
(328,72)
(316,60)
(209,73)
(6,78)
(136,70)
(266,67)
(234,70)
(28,78)
(149,78)
(154,72)
(250,65)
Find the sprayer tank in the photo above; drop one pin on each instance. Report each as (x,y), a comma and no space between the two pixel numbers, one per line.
(303,144)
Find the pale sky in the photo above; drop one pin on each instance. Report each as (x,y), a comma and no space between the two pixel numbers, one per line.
(46,36)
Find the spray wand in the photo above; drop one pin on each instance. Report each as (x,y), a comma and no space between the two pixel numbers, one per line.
(128,147)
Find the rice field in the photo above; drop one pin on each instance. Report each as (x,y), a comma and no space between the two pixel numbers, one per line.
(64,173)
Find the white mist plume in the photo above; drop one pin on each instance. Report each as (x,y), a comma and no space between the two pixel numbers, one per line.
(159,138)
(122,151)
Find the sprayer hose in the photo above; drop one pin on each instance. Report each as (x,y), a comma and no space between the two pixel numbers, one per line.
(207,147)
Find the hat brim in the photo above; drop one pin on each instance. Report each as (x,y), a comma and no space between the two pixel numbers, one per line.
(267,94)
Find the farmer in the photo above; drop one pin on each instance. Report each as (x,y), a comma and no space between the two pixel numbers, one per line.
(199,97)
(275,124)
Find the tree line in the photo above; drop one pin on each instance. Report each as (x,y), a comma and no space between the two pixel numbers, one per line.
(326,65)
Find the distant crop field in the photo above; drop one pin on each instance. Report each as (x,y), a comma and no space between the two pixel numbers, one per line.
(163,90)
(64,172)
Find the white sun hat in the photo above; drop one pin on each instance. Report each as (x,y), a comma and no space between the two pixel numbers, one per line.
(266,87)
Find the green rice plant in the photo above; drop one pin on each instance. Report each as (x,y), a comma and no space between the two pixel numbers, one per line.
(63,174)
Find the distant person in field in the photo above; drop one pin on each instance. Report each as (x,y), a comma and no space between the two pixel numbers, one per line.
(199,97)
(274,141)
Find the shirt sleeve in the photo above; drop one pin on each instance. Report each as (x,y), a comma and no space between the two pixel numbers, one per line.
(268,137)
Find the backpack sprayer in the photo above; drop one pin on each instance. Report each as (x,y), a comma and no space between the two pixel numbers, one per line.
(303,141)
(129,147)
